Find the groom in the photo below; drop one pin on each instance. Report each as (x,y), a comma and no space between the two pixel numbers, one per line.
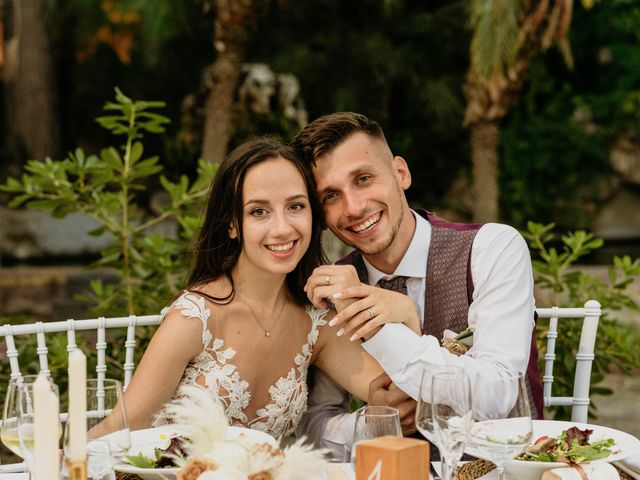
(458,275)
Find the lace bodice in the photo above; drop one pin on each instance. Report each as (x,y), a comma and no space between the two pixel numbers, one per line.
(215,369)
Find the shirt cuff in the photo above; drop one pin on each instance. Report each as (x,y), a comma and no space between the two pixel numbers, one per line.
(338,435)
(396,345)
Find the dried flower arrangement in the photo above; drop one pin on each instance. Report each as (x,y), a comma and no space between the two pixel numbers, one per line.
(210,456)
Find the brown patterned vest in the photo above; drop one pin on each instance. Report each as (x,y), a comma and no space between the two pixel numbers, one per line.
(449,288)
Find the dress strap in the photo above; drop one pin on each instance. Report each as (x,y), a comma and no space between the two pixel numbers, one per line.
(318,319)
(192,305)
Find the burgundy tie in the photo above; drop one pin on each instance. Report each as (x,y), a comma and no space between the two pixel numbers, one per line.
(395,284)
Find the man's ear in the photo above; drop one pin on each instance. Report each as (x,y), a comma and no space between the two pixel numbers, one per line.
(402,171)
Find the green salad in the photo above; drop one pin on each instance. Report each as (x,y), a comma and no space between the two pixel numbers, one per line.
(162,457)
(571,446)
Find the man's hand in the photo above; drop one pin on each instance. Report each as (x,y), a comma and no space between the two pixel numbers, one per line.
(326,280)
(369,308)
(382,391)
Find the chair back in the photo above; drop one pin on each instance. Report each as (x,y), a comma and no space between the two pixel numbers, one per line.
(590,315)
(100,325)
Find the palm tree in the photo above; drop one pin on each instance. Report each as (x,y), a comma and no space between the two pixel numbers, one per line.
(29,78)
(507,35)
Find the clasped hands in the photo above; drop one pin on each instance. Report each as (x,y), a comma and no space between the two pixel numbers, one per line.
(362,309)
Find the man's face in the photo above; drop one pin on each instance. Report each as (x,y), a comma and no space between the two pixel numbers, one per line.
(361,186)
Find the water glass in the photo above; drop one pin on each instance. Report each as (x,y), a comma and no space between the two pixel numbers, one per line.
(502,416)
(375,421)
(424,410)
(106,418)
(452,417)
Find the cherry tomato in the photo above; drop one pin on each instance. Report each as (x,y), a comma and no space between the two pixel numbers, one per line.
(541,439)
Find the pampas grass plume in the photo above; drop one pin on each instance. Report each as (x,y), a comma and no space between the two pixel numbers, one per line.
(199,416)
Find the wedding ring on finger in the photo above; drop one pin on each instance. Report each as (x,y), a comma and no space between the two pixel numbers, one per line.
(328,280)
(372,313)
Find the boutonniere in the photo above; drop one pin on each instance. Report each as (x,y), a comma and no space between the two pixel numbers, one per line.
(458,343)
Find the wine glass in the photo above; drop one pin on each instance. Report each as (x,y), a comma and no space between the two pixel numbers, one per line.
(26,421)
(452,417)
(11,412)
(106,419)
(502,416)
(424,410)
(375,421)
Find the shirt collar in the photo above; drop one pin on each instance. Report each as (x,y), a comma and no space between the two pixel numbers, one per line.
(414,262)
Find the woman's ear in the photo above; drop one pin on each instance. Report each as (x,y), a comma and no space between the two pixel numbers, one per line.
(233,232)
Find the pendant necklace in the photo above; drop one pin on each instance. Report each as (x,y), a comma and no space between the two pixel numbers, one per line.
(267,333)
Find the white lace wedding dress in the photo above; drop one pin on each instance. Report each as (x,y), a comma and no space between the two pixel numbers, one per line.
(282,402)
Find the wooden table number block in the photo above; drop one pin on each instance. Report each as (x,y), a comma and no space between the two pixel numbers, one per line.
(392,458)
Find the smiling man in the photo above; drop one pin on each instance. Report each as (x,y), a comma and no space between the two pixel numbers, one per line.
(411,276)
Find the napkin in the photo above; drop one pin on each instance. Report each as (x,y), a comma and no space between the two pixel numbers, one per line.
(594,471)
(631,465)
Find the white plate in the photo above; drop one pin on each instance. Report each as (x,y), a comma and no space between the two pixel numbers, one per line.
(146,440)
(625,446)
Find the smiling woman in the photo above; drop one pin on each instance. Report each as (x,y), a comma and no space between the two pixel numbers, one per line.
(245,303)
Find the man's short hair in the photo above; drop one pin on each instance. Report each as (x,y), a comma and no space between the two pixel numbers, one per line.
(328,131)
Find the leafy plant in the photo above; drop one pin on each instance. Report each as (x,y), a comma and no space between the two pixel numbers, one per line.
(152,266)
(554,270)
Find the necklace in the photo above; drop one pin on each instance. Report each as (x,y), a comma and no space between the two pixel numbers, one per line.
(267,332)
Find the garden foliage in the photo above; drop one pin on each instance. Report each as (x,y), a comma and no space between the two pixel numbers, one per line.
(152,265)
(555,272)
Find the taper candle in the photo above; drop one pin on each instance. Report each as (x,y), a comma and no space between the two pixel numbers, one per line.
(77,405)
(45,424)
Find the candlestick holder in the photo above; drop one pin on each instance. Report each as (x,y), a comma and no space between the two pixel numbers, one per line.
(77,469)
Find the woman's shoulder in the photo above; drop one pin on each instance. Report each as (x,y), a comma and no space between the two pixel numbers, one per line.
(193,302)
(190,305)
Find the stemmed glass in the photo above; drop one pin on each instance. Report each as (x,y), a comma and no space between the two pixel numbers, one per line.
(452,417)
(375,421)
(424,410)
(502,416)
(108,432)
(107,415)
(11,413)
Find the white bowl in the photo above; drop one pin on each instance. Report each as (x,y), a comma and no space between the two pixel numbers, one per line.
(625,446)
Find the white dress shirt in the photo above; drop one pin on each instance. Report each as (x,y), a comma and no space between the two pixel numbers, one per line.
(501,312)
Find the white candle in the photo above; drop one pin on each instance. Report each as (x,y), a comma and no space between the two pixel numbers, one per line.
(77,406)
(45,424)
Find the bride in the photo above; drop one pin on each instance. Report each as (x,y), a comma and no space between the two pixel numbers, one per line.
(244,328)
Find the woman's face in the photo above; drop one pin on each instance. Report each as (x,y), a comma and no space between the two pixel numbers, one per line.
(276,220)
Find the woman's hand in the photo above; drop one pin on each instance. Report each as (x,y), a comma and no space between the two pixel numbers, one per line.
(326,280)
(373,307)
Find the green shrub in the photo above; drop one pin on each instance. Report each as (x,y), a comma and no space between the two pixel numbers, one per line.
(555,271)
(106,187)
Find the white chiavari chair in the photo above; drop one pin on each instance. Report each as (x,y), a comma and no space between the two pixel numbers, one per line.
(590,316)
(12,335)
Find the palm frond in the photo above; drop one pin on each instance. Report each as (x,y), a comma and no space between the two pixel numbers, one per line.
(494,45)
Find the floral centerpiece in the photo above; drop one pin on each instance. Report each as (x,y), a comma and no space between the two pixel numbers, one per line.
(209,455)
